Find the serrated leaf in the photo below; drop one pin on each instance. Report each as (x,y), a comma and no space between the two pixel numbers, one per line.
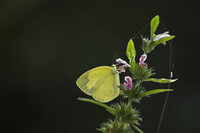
(154,24)
(162,40)
(131,53)
(162,80)
(151,92)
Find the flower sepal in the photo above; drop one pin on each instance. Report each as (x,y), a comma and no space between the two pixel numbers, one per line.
(141,73)
(145,45)
(115,126)
(126,113)
(132,94)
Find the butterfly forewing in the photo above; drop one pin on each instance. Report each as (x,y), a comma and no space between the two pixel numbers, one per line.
(87,80)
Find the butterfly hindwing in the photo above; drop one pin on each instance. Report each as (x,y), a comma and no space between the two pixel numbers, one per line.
(106,88)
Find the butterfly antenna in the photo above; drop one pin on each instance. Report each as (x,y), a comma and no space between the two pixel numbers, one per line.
(169,84)
(114,57)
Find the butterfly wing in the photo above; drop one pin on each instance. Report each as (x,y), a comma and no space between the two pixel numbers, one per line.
(87,80)
(106,88)
(100,82)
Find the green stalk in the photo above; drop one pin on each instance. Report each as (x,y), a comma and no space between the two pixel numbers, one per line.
(130,101)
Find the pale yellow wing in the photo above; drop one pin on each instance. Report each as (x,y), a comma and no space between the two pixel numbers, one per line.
(87,80)
(106,88)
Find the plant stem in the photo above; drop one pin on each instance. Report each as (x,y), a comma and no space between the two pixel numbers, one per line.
(129,101)
(136,128)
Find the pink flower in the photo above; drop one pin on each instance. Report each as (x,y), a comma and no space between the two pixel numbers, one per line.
(122,67)
(142,60)
(161,37)
(120,61)
(128,83)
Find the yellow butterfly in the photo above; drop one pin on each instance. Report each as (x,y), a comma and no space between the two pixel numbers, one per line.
(101,83)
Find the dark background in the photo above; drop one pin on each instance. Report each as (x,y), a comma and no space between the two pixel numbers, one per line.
(46,45)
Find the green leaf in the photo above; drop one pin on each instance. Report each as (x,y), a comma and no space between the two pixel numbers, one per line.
(131,53)
(162,80)
(136,128)
(162,40)
(151,92)
(154,24)
(95,102)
